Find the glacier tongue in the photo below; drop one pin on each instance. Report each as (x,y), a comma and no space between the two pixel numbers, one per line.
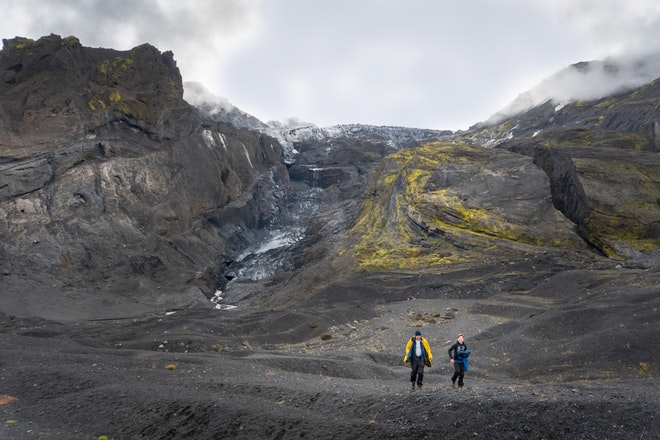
(277,239)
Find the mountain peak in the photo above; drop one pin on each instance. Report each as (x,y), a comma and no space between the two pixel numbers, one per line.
(584,81)
(55,87)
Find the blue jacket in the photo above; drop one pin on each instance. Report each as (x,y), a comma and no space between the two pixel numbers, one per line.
(463,357)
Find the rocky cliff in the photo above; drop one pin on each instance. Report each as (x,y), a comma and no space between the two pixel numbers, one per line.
(114,191)
(602,160)
(111,185)
(582,175)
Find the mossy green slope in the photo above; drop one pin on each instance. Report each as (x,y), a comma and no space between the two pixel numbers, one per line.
(615,175)
(56,88)
(443,203)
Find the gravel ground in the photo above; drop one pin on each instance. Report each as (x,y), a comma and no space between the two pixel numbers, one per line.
(573,357)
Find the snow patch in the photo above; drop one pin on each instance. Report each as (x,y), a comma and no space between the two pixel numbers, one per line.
(278,239)
(217,298)
(247,155)
(210,140)
(222,140)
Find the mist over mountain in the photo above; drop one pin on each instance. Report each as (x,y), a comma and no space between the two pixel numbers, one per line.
(218,108)
(293,131)
(586,81)
(583,81)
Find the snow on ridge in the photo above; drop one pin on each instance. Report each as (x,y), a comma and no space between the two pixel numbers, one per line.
(293,130)
(585,81)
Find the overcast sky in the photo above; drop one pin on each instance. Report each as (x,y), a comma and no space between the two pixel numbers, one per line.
(443,64)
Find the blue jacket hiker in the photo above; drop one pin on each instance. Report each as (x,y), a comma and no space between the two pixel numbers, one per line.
(418,354)
(458,355)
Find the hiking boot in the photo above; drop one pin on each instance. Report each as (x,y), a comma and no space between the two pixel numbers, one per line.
(413,386)
(453,384)
(419,387)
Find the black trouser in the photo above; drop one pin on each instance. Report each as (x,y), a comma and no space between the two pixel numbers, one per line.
(417,372)
(459,371)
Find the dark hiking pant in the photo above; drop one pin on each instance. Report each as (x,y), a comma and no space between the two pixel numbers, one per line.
(459,372)
(417,373)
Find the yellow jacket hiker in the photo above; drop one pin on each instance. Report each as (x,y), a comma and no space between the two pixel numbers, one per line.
(418,354)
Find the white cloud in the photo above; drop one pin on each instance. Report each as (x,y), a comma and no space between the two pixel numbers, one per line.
(586,82)
(613,27)
(203,34)
(426,63)
(198,95)
(625,46)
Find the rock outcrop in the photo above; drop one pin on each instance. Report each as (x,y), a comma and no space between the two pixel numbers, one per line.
(446,203)
(603,163)
(110,184)
(609,192)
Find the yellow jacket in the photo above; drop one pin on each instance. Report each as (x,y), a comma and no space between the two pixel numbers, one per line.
(426,351)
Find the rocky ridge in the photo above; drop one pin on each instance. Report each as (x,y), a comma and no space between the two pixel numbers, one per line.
(111,184)
(602,162)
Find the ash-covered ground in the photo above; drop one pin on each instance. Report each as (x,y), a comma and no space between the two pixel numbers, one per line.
(557,354)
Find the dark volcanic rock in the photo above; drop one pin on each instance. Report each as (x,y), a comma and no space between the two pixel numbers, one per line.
(444,203)
(602,161)
(606,182)
(55,88)
(110,183)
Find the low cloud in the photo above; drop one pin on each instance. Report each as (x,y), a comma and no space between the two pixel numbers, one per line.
(586,81)
(613,27)
(203,34)
(438,65)
(197,95)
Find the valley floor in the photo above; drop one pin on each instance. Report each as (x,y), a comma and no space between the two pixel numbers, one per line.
(558,353)
(85,380)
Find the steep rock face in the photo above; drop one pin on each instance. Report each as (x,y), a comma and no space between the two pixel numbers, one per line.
(444,203)
(604,168)
(110,183)
(610,193)
(55,88)
(602,160)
